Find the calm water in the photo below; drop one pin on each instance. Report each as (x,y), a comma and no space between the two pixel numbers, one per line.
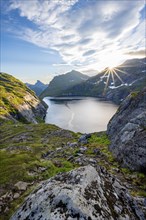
(79,114)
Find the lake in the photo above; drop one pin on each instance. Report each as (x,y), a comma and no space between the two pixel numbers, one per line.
(79,114)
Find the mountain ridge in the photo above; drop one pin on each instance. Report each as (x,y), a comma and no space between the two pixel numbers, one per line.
(127,77)
(38,87)
(62,82)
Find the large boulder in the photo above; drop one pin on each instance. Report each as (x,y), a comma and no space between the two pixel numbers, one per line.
(85,193)
(127,131)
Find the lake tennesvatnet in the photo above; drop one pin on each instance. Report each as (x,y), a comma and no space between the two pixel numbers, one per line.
(79,114)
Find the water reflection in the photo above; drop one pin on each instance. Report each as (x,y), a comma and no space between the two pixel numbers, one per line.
(79,114)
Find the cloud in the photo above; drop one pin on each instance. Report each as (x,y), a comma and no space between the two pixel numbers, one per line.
(89,52)
(84,33)
(138,53)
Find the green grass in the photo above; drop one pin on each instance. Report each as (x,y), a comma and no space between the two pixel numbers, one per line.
(21,155)
(12,95)
(22,150)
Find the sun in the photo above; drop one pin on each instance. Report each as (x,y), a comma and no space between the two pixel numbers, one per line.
(111,67)
(112,75)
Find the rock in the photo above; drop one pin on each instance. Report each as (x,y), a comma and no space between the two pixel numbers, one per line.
(96,151)
(6,210)
(127,132)
(16,195)
(71,158)
(75,144)
(28,108)
(18,139)
(21,185)
(86,193)
(92,161)
(84,138)
(83,149)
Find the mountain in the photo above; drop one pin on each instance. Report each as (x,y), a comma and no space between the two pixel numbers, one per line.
(61,83)
(38,87)
(113,84)
(127,131)
(18,102)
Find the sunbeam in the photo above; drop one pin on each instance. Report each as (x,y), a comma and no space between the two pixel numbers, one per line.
(113,77)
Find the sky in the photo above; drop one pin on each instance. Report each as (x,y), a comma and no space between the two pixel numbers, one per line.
(44,38)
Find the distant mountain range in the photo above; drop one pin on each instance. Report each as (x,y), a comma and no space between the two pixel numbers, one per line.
(112,83)
(62,83)
(38,87)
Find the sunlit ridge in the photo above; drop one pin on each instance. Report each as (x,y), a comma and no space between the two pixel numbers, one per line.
(112,73)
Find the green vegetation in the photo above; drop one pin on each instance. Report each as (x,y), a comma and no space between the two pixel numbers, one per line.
(11,95)
(32,153)
(25,155)
(137,181)
(134,94)
(100,141)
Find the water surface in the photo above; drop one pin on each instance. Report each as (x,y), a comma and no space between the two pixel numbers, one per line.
(79,114)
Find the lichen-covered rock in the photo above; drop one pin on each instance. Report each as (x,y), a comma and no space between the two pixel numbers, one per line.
(127,131)
(86,193)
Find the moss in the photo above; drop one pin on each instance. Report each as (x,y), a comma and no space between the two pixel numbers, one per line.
(100,138)
(12,96)
(23,147)
(134,94)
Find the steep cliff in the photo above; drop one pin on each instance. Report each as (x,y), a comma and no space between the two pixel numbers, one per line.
(17,102)
(127,131)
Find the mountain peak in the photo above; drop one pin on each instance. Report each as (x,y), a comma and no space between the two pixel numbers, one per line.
(63,82)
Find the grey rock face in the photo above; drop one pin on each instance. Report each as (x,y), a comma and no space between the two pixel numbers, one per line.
(86,193)
(127,131)
(32,109)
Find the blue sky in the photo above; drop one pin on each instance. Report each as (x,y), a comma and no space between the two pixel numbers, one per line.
(44,38)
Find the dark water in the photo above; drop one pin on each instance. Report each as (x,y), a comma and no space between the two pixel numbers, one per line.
(79,114)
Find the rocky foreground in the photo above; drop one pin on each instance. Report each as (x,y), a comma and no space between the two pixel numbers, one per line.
(127,131)
(86,193)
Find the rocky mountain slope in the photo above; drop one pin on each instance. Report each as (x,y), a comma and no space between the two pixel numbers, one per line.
(17,102)
(114,84)
(38,87)
(127,131)
(62,82)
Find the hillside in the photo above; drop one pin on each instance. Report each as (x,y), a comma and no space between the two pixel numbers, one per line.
(63,82)
(32,153)
(38,87)
(17,102)
(122,80)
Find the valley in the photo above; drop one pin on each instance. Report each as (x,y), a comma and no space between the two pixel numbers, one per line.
(35,157)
